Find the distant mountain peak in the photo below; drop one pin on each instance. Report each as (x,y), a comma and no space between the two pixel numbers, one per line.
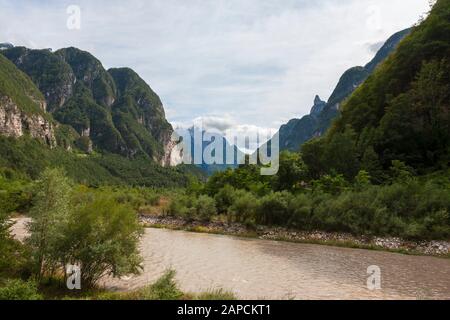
(317,100)
(298,131)
(6,45)
(318,106)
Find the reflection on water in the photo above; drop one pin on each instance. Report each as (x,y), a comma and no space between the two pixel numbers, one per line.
(278,270)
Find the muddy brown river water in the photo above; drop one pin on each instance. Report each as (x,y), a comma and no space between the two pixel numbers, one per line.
(258,269)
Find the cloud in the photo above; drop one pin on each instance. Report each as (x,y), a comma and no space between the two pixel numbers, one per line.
(247,137)
(259,61)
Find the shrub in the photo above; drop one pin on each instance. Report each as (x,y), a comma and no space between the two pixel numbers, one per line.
(19,290)
(164,289)
(244,207)
(333,184)
(301,208)
(182,206)
(274,209)
(205,208)
(225,198)
(102,236)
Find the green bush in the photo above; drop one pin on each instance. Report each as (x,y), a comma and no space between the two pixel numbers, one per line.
(165,288)
(244,207)
(408,210)
(19,290)
(182,206)
(205,208)
(103,237)
(274,209)
(301,209)
(225,198)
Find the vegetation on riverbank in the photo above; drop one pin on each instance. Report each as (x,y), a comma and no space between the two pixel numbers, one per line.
(219,226)
(165,288)
(404,205)
(96,229)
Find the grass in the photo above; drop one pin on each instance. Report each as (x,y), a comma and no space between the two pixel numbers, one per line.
(165,288)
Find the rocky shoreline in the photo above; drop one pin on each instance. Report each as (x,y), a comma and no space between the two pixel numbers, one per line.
(433,248)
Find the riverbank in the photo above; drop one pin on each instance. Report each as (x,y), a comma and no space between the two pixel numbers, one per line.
(392,244)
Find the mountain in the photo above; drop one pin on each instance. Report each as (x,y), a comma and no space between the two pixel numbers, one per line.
(400,113)
(139,116)
(103,127)
(22,106)
(4,46)
(353,78)
(298,131)
(111,111)
(195,142)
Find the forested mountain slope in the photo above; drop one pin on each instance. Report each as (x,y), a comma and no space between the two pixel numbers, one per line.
(400,113)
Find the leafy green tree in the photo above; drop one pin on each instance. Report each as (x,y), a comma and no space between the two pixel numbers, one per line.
(312,155)
(372,165)
(291,173)
(341,154)
(102,237)
(50,216)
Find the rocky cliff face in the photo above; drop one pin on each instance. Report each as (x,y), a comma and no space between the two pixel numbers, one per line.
(22,106)
(16,123)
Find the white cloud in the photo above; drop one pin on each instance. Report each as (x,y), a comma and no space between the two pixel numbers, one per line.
(259,62)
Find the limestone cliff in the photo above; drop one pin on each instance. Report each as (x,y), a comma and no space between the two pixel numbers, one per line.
(16,123)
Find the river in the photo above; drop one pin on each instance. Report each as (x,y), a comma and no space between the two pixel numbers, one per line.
(259,269)
(264,269)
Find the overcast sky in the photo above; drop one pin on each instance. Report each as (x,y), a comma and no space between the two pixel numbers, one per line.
(240,64)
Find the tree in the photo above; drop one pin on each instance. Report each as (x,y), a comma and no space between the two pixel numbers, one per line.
(341,154)
(312,155)
(50,215)
(102,237)
(372,165)
(291,173)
